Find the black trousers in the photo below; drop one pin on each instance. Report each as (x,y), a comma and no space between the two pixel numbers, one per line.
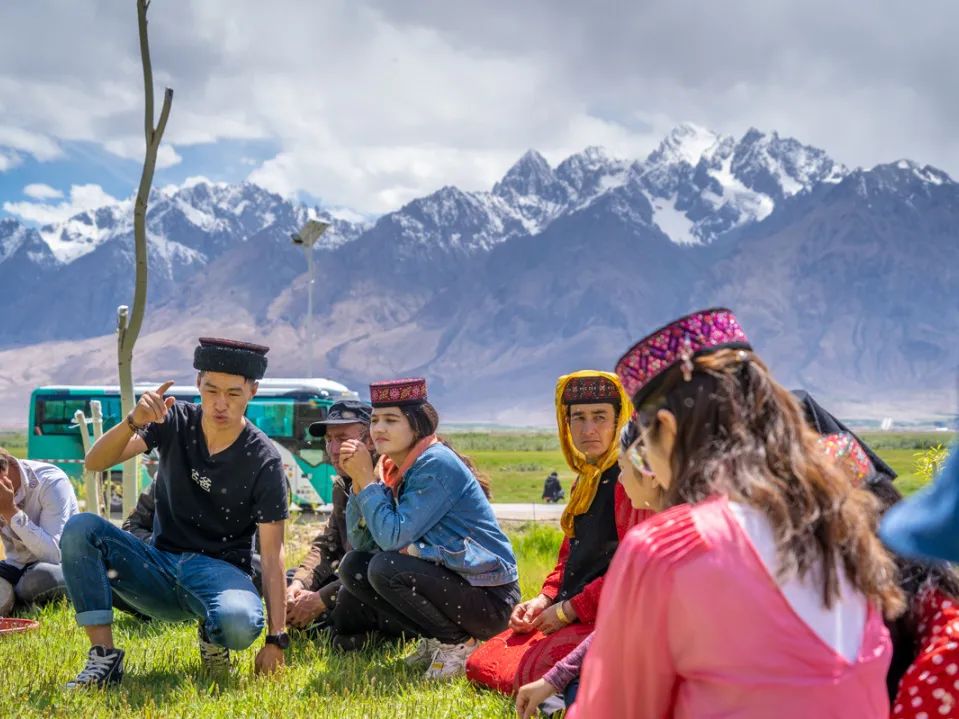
(402,595)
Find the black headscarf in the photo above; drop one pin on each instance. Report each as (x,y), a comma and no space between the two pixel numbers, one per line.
(825,423)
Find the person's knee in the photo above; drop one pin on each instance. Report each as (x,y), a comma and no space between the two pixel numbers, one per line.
(383,571)
(353,568)
(7,597)
(41,583)
(236,620)
(79,532)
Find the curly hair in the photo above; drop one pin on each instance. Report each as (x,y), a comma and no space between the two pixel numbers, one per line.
(742,435)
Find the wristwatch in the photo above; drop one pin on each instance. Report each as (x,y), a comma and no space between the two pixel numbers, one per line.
(282,640)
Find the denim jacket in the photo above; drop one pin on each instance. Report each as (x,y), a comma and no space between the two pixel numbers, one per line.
(441,515)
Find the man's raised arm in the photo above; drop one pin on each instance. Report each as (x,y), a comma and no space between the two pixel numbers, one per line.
(122,442)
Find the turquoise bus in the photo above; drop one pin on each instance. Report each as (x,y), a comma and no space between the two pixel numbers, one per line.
(282,408)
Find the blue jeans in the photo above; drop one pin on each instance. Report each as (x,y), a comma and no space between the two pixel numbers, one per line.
(100,560)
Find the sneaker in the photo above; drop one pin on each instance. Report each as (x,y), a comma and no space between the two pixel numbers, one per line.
(104,667)
(213,657)
(449,660)
(355,642)
(423,654)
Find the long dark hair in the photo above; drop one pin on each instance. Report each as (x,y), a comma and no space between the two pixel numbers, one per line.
(425,420)
(740,434)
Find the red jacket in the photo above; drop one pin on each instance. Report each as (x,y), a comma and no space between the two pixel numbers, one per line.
(586,602)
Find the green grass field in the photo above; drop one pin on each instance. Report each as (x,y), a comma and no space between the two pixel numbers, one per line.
(518,462)
(164,677)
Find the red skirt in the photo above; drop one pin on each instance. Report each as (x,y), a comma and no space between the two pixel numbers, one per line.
(509,660)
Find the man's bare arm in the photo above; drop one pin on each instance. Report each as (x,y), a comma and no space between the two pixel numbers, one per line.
(121,443)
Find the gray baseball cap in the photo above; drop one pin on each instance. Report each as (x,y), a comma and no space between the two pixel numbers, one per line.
(348,411)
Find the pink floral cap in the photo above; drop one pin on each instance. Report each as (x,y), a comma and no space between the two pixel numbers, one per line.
(398,392)
(680,341)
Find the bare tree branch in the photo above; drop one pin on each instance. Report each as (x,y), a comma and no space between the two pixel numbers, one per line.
(128,332)
(142,6)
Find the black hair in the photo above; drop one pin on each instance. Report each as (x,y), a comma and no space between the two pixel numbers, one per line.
(425,420)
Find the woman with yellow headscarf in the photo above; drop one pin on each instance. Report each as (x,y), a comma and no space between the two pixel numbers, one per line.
(591,410)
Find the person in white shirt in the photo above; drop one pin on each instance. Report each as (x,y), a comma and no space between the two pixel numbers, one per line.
(36,500)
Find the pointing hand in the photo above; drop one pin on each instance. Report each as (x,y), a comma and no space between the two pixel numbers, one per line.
(153,406)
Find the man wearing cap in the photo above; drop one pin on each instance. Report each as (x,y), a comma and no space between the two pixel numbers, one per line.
(220,479)
(314,587)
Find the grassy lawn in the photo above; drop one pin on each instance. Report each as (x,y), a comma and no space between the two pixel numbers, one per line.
(164,677)
(518,463)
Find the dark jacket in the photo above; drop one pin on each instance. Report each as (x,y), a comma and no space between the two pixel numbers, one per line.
(140,521)
(327,548)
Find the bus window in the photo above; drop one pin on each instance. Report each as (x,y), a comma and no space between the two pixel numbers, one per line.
(273,416)
(307,413)
(54,413)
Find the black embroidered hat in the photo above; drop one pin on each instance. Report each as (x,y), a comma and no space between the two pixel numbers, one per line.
(349,411)
(215,354)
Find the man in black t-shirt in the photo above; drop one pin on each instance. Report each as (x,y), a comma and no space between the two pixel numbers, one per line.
(219,479)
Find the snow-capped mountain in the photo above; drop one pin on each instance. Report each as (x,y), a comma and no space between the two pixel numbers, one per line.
(845,278)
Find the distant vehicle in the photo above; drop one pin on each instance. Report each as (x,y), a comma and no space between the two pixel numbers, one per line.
(282,408)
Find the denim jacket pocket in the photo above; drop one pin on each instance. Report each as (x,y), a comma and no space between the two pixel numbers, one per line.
(472,559)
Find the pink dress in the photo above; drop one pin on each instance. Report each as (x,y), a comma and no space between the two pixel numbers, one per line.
(691,625)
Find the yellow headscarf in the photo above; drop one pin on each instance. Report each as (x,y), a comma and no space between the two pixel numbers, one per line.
(587,480)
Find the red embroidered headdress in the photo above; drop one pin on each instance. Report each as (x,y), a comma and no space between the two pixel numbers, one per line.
(680,341)
(398,392)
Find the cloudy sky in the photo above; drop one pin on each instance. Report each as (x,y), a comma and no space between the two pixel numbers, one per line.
(365,105)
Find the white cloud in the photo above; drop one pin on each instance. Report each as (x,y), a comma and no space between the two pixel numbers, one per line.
(9,160)
(33,143)
(39,191)
(134,149)
(82,198)
(388,101)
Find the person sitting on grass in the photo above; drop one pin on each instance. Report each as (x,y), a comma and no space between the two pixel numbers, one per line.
(429,556)
(759,590)
(591,411)
(36,500)
(313,590)
(925,639)
(556,690)
(552,489)
(219,480)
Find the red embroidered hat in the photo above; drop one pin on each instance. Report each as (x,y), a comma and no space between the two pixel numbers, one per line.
(398,392)
(850,455)
(590,390)
(645,363)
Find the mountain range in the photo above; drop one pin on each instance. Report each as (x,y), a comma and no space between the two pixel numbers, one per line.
(845,279)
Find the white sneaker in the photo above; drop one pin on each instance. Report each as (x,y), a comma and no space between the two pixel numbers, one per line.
(449,660)
(423,654)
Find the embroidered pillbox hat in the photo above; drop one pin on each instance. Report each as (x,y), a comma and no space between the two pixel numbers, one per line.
(644,365)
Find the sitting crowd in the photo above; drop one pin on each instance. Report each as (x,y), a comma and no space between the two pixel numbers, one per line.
(720,555)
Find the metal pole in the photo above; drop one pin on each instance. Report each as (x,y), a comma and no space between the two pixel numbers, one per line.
(308,248)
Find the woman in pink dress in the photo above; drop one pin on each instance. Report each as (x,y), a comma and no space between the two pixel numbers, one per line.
(760,591)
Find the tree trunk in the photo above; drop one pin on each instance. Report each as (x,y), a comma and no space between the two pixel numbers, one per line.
(128,327)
